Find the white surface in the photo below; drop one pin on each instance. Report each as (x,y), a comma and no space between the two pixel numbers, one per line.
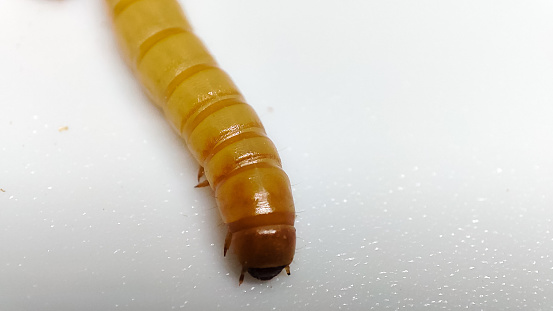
(418,136)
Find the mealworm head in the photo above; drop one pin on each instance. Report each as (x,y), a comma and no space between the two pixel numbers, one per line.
(265,250)
(265,273)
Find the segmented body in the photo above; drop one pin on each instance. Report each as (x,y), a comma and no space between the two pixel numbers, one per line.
(222,131)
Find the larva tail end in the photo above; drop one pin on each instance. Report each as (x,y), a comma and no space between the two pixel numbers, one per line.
(265,274)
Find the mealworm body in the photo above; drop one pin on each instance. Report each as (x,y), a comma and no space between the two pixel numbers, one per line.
(223,133)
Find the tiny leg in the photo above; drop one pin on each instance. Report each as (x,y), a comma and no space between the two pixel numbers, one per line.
(201,184)
(287,268)
(242,276)
(201,173)
(228,239)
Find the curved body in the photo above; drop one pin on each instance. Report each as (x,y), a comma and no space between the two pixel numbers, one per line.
(221,130)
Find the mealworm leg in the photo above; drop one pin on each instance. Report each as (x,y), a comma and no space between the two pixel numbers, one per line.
(201,173)
(287,268)
(202,184)
(242,276)
(228,239)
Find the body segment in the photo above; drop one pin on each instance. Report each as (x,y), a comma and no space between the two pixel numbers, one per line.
(223,133)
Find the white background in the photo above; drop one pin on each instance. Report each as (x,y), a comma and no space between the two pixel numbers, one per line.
(418,136)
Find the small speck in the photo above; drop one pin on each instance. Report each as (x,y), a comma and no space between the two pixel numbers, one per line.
(63,128)
(475,221)
(2,190)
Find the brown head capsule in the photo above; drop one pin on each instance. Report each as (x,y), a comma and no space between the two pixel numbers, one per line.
(264,251)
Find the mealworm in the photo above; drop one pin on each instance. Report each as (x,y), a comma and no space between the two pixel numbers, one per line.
(223,132)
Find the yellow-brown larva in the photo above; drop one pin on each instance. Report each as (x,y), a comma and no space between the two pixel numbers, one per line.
(223,133)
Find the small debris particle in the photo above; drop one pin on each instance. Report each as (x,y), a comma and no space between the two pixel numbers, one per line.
(63,128)
(2,190)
